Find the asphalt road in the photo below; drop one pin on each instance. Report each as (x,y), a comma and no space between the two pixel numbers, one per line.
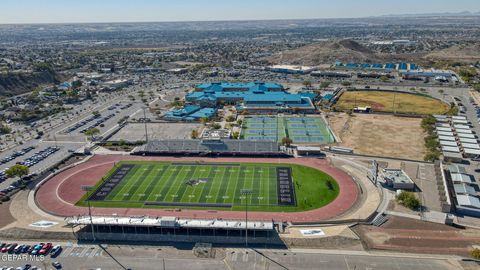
(159,258)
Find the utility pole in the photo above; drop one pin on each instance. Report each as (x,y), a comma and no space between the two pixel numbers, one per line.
(246,192)
(55,138)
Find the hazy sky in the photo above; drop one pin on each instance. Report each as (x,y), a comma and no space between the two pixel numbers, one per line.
(58,11)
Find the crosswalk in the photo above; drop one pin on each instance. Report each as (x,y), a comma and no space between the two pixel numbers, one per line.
(246,255)
(81,252)
(240,255)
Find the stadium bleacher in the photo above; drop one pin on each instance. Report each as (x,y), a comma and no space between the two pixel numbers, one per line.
(226,147)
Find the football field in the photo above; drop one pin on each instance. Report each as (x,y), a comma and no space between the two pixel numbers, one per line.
(265,187)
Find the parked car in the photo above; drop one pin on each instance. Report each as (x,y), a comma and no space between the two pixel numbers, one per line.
(18,249)
(57,265)
(12,248)
(45,249)
(56,250)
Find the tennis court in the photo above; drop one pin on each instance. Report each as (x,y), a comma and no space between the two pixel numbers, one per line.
(302,130)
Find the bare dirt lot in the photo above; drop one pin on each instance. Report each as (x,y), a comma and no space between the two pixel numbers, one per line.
(380,135)
(409,235)
(5,214)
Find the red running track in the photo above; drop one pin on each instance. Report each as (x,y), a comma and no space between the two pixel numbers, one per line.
(59,194)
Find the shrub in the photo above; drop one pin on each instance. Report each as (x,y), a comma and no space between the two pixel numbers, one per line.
(475,253)
(409,200)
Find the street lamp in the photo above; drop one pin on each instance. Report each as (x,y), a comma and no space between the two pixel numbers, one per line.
(246,192)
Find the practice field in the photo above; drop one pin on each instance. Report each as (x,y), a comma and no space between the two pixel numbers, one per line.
(302,130)
(380,135)
(383,101)
(273,187)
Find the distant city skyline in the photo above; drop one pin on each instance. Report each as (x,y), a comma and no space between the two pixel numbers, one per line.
(61,11)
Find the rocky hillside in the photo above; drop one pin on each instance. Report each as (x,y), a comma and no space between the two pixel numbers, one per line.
(326,52)
(18,83)
(459,53)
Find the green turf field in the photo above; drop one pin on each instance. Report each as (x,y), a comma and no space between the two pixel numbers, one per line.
(210,186)
(385,101)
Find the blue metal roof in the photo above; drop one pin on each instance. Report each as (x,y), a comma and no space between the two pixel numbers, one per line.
(203,113)
(221,86)
(272,97)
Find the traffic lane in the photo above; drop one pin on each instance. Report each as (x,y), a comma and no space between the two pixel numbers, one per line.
(115,263)
(294,260)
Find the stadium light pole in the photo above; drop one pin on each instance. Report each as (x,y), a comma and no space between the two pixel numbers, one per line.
(394,103)
(246,192)
(89,189)
(145,122)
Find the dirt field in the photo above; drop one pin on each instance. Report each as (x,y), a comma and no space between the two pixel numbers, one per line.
(382,101)
(380,135)
(408,235)
(5,214)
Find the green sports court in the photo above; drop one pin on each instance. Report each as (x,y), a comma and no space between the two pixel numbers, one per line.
(302,130)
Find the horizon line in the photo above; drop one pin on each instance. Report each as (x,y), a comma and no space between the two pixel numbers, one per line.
(473,14)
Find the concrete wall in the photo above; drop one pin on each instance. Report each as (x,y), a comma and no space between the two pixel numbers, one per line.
(86,236)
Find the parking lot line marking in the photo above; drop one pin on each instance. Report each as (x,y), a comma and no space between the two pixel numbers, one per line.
(66,252)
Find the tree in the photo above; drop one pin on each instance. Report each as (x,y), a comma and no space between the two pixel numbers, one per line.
(346,83)
(204,120)
(194,134)
(408,199)
(431,156)
(230,118)
(307,83)
(96,113)
(476,87)
(217,126)
(4,129)
(76,84)
(428,123)
(17,170)
(235,135)
(286,141)
(453,109)
(475,253)
(92,132)
(384,78)
(324,84)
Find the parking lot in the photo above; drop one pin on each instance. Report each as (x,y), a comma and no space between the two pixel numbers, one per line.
(33,253)
(97,121)
(133,132)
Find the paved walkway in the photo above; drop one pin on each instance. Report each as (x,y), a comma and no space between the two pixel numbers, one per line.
(59,194)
